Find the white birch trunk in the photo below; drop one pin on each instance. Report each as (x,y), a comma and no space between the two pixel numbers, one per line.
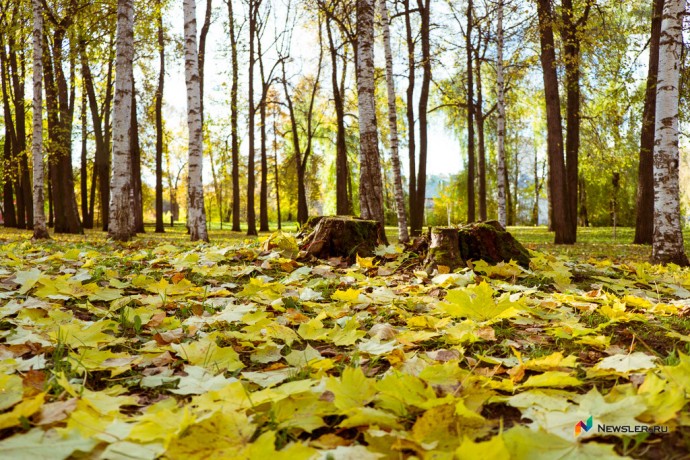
(40,230)
(501,106)
(370,184)
(667,244)
(121,218)
(196,215)
(403,236)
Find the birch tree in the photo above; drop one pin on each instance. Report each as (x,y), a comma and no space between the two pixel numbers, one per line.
(121,218)
(501,121)
(196,213)
(40,231)
(393,123)
(667,245)
(370,184)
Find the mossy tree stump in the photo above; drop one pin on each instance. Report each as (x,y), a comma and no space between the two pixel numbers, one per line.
(487,241)
(444,248)
(490,242)
(344,236)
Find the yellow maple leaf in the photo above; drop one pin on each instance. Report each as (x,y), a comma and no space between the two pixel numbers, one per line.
(23,410)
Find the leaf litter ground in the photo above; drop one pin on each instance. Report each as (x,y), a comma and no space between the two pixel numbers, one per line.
(242,350)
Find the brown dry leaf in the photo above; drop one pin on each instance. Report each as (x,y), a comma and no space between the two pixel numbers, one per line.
(34,382)
(295,316)
(163,359)
(517,373)
(177,277)
(14,351)
(173,336)
(56,411)
(443,269)
(382,331)
(157,319)
(384,271)
(488,371)
(198,309)
(443,355)
(486,333)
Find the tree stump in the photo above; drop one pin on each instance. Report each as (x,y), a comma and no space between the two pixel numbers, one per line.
(344,236)
(490,242)
(487,241)
(444,249)
(309,226)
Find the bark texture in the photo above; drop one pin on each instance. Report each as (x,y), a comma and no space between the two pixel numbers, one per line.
(40,230)
(444,249)
(667,245)
(471,212)
(159,122)
(234,116)
(370,183)
(196,212)
(644,222)
(403,236)
(554,127)
(501,120)
(425,36)
(121,219)
(415,227)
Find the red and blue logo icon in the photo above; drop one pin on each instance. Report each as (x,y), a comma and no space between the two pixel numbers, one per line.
(583,426)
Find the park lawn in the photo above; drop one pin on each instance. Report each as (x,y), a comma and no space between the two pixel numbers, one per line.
(242,349)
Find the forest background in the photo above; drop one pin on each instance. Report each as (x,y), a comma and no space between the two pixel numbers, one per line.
(301,50)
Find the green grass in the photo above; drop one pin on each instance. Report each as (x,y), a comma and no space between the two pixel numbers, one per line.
(592,242)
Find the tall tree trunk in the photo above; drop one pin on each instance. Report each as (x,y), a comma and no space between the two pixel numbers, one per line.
(582,190)
(667,245)
(644,222)
(275,165)
(393,125)
(121,220)
(159,122)
(60,112)
(251,173)
(234,116)
(10,214)
(263,192)
(471,217)
(425,35)
(481,160)
(370,184)
(104,168)
(23,182)
(572,33)
(415,226)
(501,121)
(137,193)
(202,53)
(196,211)
(537,189)
(86,218)
(100,162)
(554,127)
(341,168)
(40,230)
